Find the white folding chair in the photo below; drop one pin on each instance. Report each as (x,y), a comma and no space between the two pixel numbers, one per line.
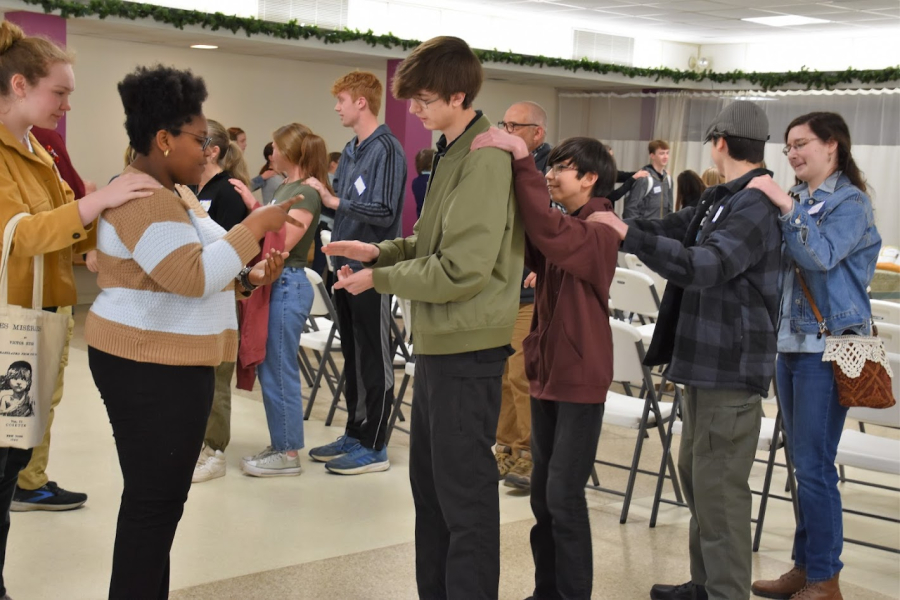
(634,295)
(634,263)
(890,333)
(634,412)
(409,371)
(322,342)
(885,312)
(771,439)
(325,236)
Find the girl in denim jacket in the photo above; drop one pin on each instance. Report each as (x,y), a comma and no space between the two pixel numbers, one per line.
(830,238)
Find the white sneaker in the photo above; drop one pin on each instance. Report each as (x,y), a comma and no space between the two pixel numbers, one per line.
(272,464)
(211,468)
(266,451)
(205,452)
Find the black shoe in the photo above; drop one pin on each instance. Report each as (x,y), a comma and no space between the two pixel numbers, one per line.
(46,497)
(685,591)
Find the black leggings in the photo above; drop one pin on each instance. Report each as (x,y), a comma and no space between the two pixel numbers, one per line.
(158,415)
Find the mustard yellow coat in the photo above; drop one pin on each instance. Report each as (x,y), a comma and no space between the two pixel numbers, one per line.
(29,182)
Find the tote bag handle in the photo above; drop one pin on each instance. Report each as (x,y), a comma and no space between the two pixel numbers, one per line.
(37,298)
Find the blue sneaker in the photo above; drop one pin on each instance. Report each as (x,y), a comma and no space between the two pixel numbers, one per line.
(335,449)
(360,460)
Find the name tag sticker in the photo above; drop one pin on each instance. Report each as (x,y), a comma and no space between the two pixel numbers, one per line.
(718,212)
(206,204)
(360,185)
(816,208)
(657,189)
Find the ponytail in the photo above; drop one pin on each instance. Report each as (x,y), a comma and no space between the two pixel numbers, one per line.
(233,162)
(25,55)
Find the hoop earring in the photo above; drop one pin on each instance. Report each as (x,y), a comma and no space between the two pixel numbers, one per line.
(166,153)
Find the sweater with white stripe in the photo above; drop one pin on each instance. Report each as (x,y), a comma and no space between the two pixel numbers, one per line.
(166,273)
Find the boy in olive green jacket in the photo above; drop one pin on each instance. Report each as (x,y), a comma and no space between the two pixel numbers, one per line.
(461,269)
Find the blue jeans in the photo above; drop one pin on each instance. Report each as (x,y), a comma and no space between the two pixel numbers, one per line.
(279,373)
(813,420)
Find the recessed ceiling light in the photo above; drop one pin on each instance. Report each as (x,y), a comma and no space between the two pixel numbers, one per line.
(785,20)
(204,47)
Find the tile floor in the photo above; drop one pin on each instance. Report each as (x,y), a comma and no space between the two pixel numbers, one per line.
(327,536)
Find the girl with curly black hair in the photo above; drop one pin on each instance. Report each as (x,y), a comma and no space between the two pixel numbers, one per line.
(165,318)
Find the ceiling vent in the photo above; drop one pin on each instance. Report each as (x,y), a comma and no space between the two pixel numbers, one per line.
(604,48)
(329,14)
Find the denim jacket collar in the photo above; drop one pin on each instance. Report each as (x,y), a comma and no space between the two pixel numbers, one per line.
(831,183)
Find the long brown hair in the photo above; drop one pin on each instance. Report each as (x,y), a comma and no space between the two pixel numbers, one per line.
(302,147)
(830,126)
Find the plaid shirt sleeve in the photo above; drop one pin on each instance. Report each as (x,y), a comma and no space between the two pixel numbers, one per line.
(674,225)
(727,247)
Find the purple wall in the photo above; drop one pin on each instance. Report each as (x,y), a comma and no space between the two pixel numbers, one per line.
(48,26)
(413,137)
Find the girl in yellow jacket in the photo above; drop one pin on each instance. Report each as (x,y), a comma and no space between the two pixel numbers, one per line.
(36,80)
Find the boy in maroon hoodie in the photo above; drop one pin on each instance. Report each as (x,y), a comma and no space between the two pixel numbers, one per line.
(568,354)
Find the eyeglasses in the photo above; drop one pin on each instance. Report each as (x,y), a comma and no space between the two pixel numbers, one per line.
(512,127)
(798,146)
(204,141)
(424,104)
(559,168)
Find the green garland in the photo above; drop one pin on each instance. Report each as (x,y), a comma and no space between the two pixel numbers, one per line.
(293,31)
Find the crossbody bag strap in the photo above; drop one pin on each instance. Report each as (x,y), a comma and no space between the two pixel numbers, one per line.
(812,304)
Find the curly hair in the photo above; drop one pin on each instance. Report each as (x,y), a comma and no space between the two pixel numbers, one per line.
(157,98)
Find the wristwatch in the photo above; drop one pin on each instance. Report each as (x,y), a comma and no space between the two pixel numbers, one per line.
(244,279)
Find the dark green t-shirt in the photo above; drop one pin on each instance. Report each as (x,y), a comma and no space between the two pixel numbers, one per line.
(311,202)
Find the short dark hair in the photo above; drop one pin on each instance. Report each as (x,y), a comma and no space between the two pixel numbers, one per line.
(334,157)
(157,98)
(743,149)
(444,65)
(424,158)
(589,156)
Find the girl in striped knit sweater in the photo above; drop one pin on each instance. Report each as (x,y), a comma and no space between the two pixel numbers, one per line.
(165,318)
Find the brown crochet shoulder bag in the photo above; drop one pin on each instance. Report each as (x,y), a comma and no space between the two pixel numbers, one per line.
(861,368)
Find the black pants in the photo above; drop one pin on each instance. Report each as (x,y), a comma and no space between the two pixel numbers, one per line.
(12,460)
(365,325)
(158,415)
(456,403)
(564,438)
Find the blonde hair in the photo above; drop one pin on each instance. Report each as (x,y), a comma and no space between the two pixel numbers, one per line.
(130,155)
(712,177)
(231,159)
(299,145)
(25,55)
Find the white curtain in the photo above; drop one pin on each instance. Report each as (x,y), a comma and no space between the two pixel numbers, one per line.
(628,121)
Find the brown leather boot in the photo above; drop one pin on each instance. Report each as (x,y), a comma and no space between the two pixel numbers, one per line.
(782,588)
(821,590)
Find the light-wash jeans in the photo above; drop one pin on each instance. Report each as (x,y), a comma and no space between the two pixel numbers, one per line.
(813,422)
(279,374)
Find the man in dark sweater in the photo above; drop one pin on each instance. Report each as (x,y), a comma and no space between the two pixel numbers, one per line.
(369,185)
(568,354)
(527,120)
(716,332)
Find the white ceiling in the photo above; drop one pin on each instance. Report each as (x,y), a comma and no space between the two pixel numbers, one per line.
(712,21)
(695,21)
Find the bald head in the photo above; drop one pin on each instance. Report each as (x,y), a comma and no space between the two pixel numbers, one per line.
(528,120)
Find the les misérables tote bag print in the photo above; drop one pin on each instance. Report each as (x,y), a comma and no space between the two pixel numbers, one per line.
(31,346)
